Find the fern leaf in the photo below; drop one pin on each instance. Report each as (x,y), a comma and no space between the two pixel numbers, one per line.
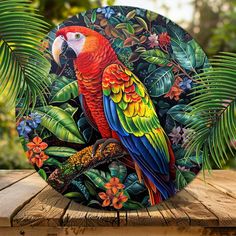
(215,102)
(23,67)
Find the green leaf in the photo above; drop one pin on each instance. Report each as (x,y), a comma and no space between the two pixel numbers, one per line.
(91,188)
(133,186)
(151,16)
(43,174)
(130,28)
(159,81)
(132,205)
(60,123)
(24,68)
(199,54)
(98,178)
(184,54)
(215,101)
(53,162)
(60,151)
(118,170)
(79,185)
(181,114)
(131,14)
(63,89)
(156,56)
(142,22)
(94,17)
(183,178)
(69,109)
(77,195)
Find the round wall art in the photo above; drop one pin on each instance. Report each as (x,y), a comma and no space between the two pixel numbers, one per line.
(113,132)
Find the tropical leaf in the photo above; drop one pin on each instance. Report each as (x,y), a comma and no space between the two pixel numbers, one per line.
(80,186)
(184,54)
(23,67)
(63,89)
(215,102)
(98,178)
(156,56)
(133,185)
(118,170)
(75,195)
(60,123)
(69,109)
(183,178)
(159,81)
(60,151)
(132,205)
(42,173)
(53,162)
(180,113)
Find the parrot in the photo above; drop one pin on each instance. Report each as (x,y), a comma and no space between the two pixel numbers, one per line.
(118,105)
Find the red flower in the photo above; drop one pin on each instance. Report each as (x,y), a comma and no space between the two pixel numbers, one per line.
(118,201)
(35,158)
(174,92)
(114,185)
(37,145)
(164,39)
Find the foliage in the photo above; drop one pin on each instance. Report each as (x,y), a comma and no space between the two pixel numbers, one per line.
(214,133)
(23,64)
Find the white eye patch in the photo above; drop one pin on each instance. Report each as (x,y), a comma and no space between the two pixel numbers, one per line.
(75,41)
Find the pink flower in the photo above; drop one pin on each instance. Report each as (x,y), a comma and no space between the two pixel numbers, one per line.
(153,38)
(175,135)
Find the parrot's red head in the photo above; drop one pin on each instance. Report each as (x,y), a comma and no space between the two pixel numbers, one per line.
(72,41)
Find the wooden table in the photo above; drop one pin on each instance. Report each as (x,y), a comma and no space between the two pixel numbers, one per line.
(29,207)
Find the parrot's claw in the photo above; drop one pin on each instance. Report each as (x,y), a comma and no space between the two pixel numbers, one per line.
(96,145)
(107,142)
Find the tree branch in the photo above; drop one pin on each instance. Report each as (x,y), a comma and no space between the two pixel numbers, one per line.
(82,161)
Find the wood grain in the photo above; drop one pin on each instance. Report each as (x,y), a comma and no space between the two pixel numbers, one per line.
(9,177)
(220,204)
(26,200)
(46,209)
(17,195)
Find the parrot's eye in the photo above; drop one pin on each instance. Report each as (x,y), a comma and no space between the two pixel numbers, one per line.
(77,36)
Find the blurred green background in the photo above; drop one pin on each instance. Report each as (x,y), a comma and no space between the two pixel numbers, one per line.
(211,22)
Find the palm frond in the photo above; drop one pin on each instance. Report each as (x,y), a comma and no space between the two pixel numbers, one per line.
(215,103)
(23,67)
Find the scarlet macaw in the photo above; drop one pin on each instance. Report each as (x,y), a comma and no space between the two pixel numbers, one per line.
(118,105)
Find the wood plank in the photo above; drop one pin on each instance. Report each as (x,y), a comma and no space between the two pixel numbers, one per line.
(116,231)
(9,177)
(223,180)
(13,198)
(220,204)
(197,213)
(46,209)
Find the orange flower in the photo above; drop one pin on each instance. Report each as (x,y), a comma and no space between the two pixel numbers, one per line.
(174,92)
(37,145)
(106,197)
(37,159)
(114,185)
(119,200)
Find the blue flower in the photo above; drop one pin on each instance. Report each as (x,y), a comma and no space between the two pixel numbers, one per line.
(107,11)
(34,121)
(23,129)
(186,84)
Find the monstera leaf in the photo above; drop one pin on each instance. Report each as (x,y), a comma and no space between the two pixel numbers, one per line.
(63,89)
(60,123)
(160,81)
